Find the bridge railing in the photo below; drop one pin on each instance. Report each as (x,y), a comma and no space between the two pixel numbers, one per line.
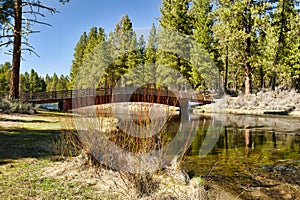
(67,94)
(37,96)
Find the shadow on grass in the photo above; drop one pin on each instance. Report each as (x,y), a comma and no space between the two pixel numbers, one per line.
(24,121)
(24,143)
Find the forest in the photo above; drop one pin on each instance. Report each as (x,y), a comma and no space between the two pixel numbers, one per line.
(254,45)
(32,82)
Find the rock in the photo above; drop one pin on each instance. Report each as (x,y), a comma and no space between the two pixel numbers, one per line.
(280,168)
(196,190)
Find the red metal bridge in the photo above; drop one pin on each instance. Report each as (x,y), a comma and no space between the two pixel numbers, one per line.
(72,99)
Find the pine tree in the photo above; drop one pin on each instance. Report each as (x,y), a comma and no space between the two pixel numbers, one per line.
(18,18)
(150,59)
(24,83)
(36,83)
(95,37)
(123,45)
(283,23)
(84,51)
(202,22)
(5,71)
(202,73)
(48,83)
(236,31)
(62,83)
(78,58)
(175,16)
(294,52)
(53,84)
(173,45)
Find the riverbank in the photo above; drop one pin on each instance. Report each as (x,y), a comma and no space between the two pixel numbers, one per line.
(30,170)
(27,163)
(263,103)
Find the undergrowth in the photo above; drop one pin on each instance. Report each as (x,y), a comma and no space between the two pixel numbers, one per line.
(14,106)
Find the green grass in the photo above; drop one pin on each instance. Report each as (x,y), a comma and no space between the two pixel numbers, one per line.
(25,179)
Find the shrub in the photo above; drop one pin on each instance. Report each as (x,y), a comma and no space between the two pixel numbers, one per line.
(95,132)
(8,106)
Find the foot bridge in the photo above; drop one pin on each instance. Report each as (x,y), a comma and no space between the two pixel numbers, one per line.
(72,99)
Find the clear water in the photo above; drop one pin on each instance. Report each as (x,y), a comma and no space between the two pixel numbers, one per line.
(249,154)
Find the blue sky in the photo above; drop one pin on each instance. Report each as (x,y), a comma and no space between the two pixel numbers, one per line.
(55,44)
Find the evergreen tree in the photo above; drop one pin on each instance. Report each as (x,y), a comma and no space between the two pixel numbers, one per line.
(62,83)
(135,76)
(36,83)
(24,83)
(78,58)
(84,51)
(202,22)
(18,18)
(5,70)
(53,84)
(175,16)
(202,66)
(174,46)
(151,56)
(95,37)
(236,31)
(285,29)
(48,83)
(123,46)
(151,46)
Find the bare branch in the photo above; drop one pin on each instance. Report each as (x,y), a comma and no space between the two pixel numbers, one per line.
(28,45)
(38,5)
(30,51)
(6,44)
(29,31)
(6,36)
(34,13)
(8,53)
(37,22)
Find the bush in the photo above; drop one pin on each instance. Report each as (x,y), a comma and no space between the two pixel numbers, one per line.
(140,183)
(269,100)
(8,106)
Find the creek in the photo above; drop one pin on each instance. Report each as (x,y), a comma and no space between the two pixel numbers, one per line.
(253,157)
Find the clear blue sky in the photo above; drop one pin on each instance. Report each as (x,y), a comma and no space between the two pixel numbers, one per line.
(55,44)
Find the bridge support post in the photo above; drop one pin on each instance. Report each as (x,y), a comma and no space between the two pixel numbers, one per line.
(65,105)
(184,109)
(61,106)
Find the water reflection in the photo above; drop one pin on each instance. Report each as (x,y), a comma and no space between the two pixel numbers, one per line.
(250,132)
(250,152)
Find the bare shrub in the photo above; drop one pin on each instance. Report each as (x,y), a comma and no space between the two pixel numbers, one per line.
(268,100)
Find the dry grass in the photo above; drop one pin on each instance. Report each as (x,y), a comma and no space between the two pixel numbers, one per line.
(122,150)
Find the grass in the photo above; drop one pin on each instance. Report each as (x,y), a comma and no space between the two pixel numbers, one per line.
(25,153)
(29,170)
(25,179)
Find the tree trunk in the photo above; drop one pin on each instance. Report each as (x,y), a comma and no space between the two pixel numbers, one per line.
(247,53)
(262,85)
(16,60)
(226,70)
(280,45)
(248,85)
